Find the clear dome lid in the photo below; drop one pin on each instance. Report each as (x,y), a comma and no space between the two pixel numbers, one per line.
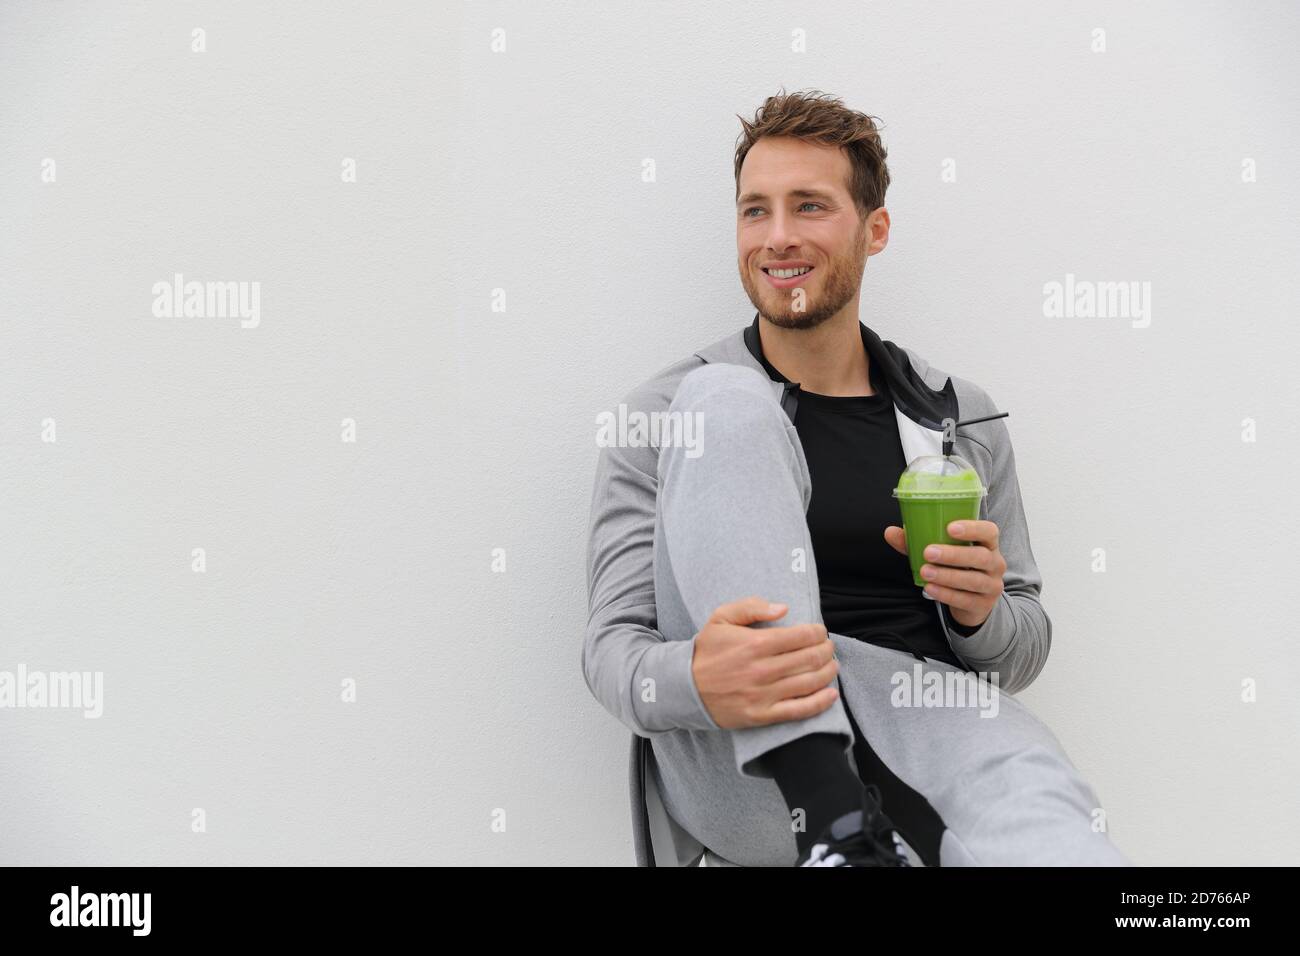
(939,476)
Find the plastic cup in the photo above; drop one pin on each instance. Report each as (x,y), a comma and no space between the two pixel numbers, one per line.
(934,491)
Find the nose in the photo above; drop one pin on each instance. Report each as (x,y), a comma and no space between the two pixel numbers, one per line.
(780,232)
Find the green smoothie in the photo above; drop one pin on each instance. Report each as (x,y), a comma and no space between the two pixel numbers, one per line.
(933,492)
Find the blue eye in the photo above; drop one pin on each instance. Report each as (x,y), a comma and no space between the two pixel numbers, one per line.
(746,213)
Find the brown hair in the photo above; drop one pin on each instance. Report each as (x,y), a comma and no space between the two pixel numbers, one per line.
(818,117)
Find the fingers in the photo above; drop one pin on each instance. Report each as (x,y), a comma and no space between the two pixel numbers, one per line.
(966,600)
(983,533)
(955,579)
(748,610)
(980,532)
(803,660)
(896,538)
(966,556)
(777,641)
(798,708)
(805,683)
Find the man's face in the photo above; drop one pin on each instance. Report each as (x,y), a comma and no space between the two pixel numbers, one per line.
(795,210)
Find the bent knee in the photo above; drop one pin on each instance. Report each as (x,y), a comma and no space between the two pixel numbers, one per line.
(718,380)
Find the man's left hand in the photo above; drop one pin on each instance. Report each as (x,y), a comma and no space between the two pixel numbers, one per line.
(967,578)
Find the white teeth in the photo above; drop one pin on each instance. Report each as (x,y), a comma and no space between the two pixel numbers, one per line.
(788,273)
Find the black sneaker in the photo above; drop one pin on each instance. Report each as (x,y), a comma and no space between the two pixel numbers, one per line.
(863,837)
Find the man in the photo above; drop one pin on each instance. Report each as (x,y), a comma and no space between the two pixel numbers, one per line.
(752,612)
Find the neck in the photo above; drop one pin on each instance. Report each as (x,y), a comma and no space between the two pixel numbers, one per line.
(827,360)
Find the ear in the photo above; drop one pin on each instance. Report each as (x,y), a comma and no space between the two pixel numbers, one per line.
(877,224)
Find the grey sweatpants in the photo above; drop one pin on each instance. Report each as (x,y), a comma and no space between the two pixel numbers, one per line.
(731,522)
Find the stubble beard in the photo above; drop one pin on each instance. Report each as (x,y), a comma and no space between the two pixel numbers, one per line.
(839,285)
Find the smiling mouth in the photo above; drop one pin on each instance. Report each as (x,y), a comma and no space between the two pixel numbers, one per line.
(788,278)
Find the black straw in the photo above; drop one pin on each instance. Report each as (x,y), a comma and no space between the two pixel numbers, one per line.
(947,445)
(986,418)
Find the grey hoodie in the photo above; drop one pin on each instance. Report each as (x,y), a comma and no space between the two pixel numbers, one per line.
(621,642)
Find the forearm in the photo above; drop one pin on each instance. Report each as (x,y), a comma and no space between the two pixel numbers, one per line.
(640,678)
(1013,642)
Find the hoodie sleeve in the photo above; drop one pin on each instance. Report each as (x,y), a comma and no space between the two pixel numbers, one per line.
(1015,639)
(631,669)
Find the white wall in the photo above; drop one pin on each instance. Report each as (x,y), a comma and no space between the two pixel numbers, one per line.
(521,170)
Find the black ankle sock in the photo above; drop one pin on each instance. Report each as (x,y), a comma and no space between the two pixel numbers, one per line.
(814,775)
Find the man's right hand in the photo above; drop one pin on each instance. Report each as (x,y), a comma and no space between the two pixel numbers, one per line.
(749,676)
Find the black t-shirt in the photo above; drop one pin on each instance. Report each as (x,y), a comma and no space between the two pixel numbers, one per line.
(855,457)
